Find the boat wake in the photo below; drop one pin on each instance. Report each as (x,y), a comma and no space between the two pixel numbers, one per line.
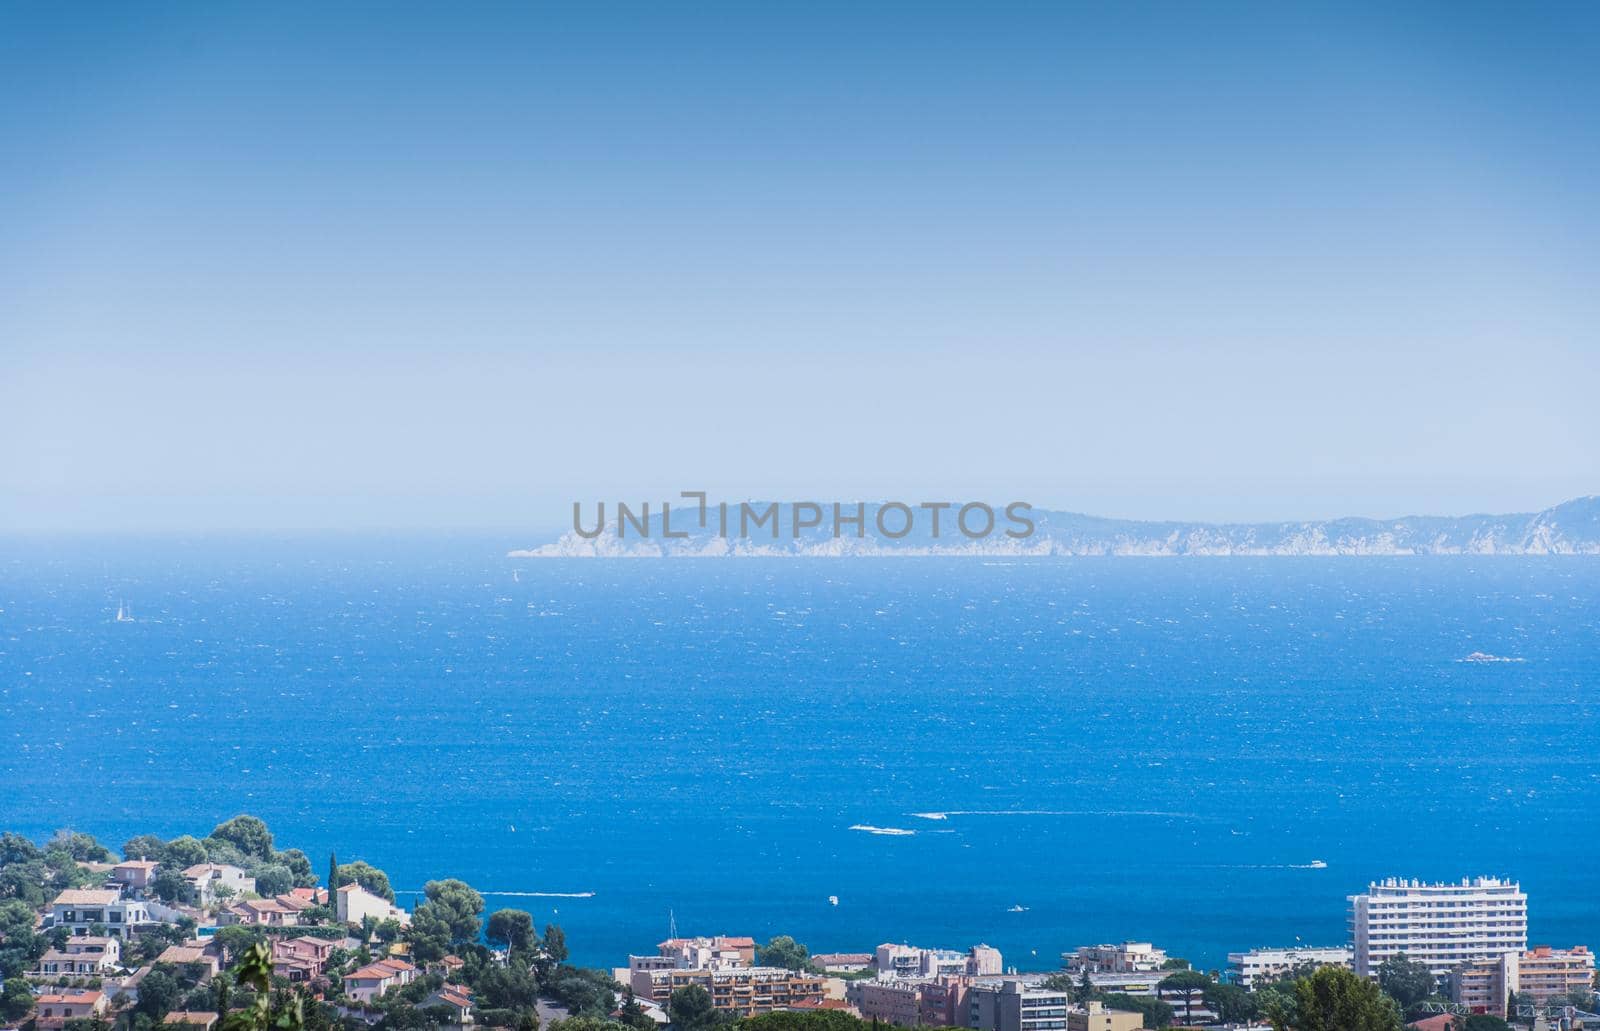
(898,832)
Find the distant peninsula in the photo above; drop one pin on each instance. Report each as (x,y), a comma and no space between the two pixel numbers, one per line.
(1570,528)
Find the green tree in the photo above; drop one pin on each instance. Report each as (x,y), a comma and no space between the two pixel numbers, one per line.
(511,929)
(691,1009)
(169,885)
(633,1014)
(236,940)
(448,917)
(81,847)
(1335,999)
(783,951)
(1189,984)
(791,1020)
(1234,1005)
(555,943)
(1406,982)
(506,988)
(1276,997)
(587,1023)
(16,999)
(299,866)
(159,992)
(16,920)
(265,1008)
(14,849)
(273,879)
(1155,1012)
(1483,1022)
(143,846)
(248,834)
(183,852)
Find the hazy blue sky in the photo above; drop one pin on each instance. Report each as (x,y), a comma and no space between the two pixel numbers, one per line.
(457,264)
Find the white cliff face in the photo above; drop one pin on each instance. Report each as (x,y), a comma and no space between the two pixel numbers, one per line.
(1572,528)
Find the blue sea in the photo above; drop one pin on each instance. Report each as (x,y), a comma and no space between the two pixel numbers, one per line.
(1123,748)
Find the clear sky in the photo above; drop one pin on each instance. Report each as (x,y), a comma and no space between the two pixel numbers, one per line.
(345,265)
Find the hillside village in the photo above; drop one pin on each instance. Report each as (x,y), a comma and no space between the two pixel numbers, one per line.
(229,933)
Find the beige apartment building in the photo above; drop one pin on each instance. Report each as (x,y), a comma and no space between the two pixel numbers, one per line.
(1536,976)
(1095,1017)
(743,992)
(1129,957)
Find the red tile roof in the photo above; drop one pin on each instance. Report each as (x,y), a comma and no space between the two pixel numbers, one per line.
(71,999)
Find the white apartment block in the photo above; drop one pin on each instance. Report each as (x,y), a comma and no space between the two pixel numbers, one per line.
(353,904)
(1442,925)
(84,911)
(1258,965)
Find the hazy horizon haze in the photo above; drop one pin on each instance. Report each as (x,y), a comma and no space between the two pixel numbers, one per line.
(398,266)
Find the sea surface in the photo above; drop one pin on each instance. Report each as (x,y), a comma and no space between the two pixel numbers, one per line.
(1063,751)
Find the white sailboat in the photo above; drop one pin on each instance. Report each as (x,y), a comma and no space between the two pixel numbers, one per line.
(124,614)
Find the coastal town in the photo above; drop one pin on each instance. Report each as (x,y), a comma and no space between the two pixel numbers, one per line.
(229,933)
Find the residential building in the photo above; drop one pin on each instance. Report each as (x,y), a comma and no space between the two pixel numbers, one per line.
(1536,976)
(457,998)
(86,956)
(261,913)
(720,952)
(944,1001)
(53,1011)
(1543,972)
(209,882)
(741,991)
(1095,1017)
(134,876)
(1129,957)
(200,952)
(451,965)
(1259,965)
(83,909)
(843,962)
(374,979)
(889,1000)
(298,960)
(1141,983)
(906,1001)
(1148,985)
(984,961)
(898,960)
(192,1020)
(1440,924)
(1481,985)
(914,962)
(1014,1006)
(1437,1022)
(61,963)
(354,904)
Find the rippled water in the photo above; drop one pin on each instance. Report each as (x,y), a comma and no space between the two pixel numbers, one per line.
(1127,748)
